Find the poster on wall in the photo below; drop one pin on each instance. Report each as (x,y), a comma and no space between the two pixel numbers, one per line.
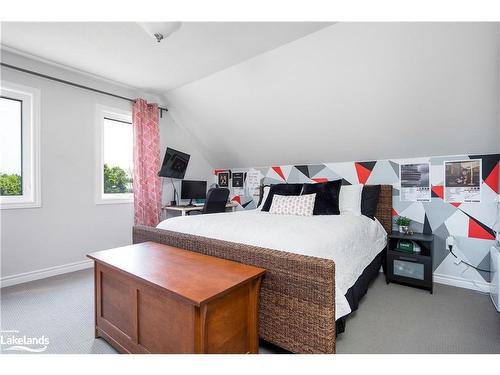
(462,181)
(223,178)
(238,179)
(415,182)
(253,183)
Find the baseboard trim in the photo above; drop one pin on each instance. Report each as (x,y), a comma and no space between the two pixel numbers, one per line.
(459,282)
(480,286)
(44,273)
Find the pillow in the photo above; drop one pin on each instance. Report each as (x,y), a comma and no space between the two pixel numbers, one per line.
(327,196)
(369,200)
(264,192)
(281,189)
(301,205)
(350,199)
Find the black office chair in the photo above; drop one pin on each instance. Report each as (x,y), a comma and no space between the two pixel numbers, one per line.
(216,201)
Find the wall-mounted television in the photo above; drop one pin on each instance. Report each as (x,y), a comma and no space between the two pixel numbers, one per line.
(174,164)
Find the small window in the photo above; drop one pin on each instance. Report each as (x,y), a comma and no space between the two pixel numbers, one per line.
(19,135)
(115,162)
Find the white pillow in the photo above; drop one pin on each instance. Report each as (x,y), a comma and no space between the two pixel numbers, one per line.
(301,205)
(264,196)
(350,199)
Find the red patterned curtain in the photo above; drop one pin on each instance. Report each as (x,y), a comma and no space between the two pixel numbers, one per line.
(146,183)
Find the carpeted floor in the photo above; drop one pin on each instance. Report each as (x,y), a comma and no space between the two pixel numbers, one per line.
(391,318)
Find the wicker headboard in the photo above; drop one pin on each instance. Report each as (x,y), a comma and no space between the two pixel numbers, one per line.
(384,208)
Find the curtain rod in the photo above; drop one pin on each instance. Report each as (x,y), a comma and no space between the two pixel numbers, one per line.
(161,109)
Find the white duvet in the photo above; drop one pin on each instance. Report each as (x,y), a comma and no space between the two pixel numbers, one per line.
(351,241)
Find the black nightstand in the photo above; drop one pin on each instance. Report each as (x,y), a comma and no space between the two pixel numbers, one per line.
(412,269)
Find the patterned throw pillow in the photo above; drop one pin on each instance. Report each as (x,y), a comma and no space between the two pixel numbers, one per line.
(301,205)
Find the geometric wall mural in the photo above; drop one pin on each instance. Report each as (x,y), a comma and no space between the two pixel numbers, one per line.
(470,223)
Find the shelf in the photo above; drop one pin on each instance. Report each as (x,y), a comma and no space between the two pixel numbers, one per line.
(415,236)
(417,256)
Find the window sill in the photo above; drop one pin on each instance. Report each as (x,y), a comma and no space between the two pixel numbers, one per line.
(116,199)
(19,205)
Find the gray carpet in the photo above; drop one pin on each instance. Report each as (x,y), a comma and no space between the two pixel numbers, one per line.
(391,318)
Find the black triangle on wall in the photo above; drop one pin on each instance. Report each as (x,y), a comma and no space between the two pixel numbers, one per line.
(368,164)
(487,164)
(427,226)
(303,169)
(244,205)
(345,182)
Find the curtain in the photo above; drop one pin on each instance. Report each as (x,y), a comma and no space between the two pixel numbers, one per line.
(146,183)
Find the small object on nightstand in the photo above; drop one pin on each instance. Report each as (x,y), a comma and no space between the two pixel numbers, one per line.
(409,259)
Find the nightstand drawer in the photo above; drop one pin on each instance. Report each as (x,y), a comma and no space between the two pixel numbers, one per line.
(408,268)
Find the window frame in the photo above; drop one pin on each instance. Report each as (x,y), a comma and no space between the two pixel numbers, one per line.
(102,113)
(30,146)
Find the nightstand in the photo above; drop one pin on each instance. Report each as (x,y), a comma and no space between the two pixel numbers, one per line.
(410,268)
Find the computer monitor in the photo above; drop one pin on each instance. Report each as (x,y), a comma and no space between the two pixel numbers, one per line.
(174,164)
(193,190)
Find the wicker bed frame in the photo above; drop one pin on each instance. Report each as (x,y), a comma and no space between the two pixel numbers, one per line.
(297,298)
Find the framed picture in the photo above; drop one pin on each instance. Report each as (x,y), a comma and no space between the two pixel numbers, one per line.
(462,181)
(238,179)
(415,182)
(223,179)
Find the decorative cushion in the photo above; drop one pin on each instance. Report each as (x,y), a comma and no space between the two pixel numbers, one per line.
(327,196)
(350,199)
(281,189)
(369,200)
(301,205)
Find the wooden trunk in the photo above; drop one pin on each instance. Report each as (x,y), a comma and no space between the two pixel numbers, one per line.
(137,316)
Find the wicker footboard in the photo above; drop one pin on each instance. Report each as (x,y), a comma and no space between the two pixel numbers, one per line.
(297,297)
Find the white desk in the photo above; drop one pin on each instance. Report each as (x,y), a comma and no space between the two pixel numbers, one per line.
(184,209)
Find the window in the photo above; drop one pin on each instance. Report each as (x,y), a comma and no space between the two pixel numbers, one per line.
(115,159)
(19,146)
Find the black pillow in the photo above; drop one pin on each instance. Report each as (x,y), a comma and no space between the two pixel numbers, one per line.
(369,200)
(281,189)
(327,197)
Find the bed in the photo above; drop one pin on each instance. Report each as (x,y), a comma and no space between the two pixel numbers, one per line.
(309,261)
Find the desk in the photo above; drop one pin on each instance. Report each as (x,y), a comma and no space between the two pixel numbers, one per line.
(184,209)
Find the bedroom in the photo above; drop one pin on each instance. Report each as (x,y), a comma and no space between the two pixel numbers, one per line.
(249,187)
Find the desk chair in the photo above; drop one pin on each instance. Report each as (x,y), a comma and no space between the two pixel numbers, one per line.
(216,201)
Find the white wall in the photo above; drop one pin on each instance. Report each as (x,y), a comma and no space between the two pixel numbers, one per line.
(70,224)
(351,91)
(174,136)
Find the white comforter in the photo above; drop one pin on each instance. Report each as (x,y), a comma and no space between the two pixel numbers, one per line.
(351,241)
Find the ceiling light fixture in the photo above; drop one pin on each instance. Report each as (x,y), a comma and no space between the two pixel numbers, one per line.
(160,30)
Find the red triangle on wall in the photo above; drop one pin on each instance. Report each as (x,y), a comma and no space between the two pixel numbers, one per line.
(476,230)
(492,179)
(319,179)
(279,172)
(438,190)
(363,173)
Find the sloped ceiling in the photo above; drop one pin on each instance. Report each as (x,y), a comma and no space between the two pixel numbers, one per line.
(351,91)
(125,53)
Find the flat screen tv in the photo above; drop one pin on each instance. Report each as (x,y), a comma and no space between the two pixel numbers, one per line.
(174,164)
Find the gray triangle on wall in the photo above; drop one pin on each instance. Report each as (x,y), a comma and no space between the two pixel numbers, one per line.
(395,166)
(485,265)
(315,169)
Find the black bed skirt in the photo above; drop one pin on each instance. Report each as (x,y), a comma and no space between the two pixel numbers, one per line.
(358,290)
